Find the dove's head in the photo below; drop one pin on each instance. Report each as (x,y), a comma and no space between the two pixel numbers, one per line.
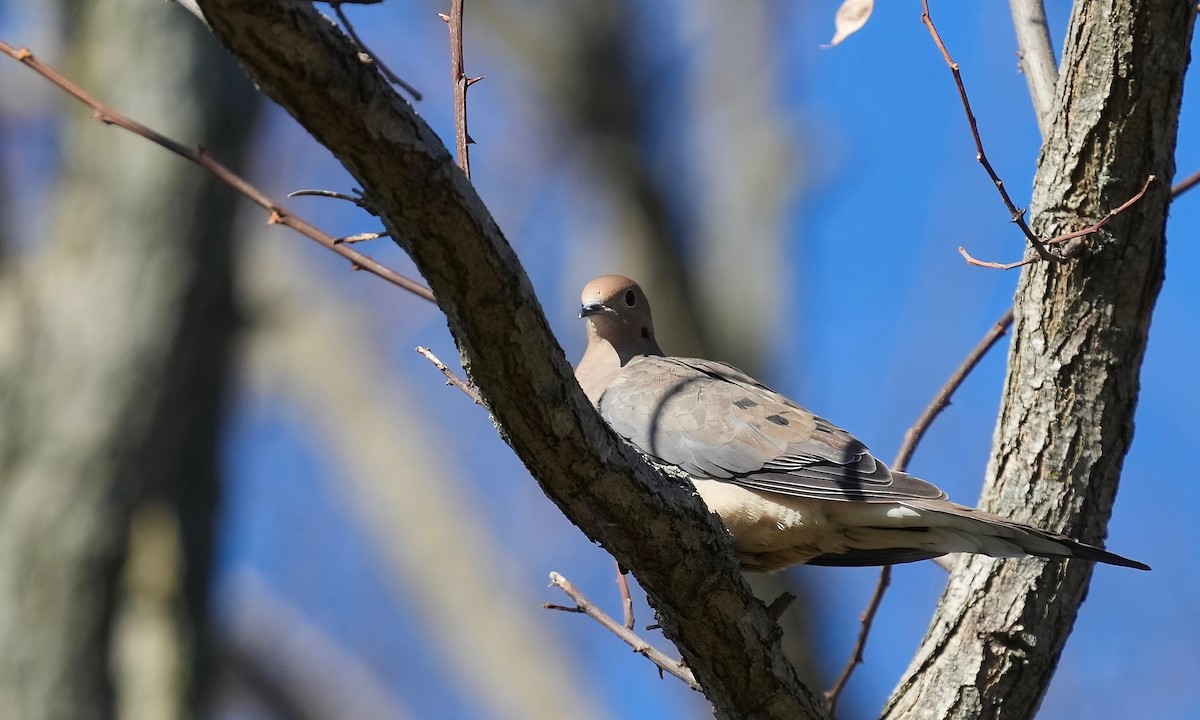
(617,311)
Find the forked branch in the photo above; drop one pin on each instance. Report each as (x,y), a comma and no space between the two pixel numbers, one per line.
(640,646)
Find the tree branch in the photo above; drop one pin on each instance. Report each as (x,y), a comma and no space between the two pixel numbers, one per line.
(627,635)
(1185,184)
(383,68)
(1017,215)
(451,378)
(1037,57)
(458,74)
(278,214)
(681,555)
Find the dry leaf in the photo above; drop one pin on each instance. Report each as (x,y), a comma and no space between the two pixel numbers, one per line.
(851,16)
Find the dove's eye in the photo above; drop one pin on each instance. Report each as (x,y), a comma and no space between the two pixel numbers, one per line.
(630,298)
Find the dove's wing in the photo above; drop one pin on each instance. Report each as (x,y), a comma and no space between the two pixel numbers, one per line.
(716,423)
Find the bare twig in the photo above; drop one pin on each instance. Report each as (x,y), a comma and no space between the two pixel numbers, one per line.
(361,237)
(362,46)
(626,598)
(1065,237)
(451,378)
(356,199)
(939,402)
(868,618)
(1185,184)
(461,82)
(1037,57)
(1037,61)
(1104,221)
(640,646)
(993,265)
(278,214)
(1017,215)
(911,439)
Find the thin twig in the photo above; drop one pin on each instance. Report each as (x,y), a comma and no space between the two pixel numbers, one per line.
(451,378)
(940,401)
(909,445)
(278,214)
(1037,57)
(362,46)
(993,265)
(1185,184)
(458,74)
(1104,221)
(357,200)
(1065,237)
(626,598)
(1017,215)
(868,618)
(640,646)
(362,237)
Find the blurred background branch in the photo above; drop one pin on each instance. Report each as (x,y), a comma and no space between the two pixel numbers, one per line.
(115,338)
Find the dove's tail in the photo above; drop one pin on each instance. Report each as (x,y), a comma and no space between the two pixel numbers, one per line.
(918,529)
(1008,535)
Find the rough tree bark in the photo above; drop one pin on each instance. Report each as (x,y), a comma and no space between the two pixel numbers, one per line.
(678,551)
(114,335)
(1080,333)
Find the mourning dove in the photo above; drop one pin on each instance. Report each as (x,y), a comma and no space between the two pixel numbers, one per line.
(791,487)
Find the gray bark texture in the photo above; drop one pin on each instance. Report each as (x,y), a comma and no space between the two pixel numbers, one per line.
(679,553)
(114,339)
(1080,332)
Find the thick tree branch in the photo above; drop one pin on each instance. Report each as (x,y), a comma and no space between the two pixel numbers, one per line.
(680,554)
(1078,340)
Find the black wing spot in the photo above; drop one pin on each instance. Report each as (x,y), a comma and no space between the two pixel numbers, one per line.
(777,419)
(745,403)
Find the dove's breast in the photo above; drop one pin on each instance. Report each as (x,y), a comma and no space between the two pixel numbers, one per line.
(771,531)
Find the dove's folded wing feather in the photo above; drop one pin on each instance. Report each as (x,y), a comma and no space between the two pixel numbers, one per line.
(714,422)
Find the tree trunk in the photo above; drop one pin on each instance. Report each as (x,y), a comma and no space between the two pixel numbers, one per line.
(114,339)
(1080,333)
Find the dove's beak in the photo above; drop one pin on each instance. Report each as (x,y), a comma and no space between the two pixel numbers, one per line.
(593,308)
